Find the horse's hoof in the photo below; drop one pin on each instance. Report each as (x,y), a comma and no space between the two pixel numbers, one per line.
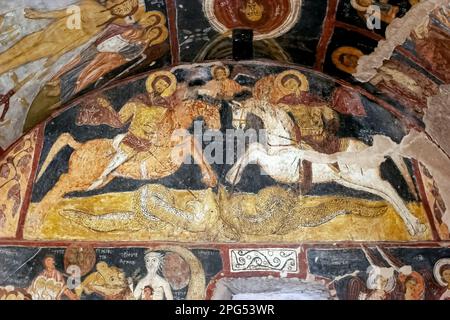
(421,228)
(230,177)
(210,181)
(417,229)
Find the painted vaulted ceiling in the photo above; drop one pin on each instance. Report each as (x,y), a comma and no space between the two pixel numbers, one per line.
(327,36)
(353,93)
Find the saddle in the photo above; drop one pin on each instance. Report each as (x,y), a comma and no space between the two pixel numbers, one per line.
(306,173)
(306,176)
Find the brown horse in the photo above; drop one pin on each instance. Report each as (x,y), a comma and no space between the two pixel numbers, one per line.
(90,159)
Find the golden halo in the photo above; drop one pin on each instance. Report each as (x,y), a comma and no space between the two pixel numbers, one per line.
(161,38)
(172,87)
(300,76)
(144,20)
(215,68)
(357,6)
(335,57)
(437,270)
(125,8)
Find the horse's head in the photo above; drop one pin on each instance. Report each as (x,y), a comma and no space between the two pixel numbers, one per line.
(240,112)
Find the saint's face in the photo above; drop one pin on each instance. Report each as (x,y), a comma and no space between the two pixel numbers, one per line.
(411,285)
(161,86)
(253,11)
(148,293)
(350,61)
(49,264)
(446,276)
(220,74)
(292,85)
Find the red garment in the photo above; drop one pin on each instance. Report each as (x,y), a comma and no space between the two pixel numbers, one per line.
(103,63)
(304,98)
(136,143)
(348,101)
(98,111)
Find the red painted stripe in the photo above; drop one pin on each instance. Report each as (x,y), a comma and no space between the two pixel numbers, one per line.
(27,198)
(172,23)
(364,32)
(426,203)
(328,30)
(218,246)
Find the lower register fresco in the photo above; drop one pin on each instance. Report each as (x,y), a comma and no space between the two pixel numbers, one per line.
(166,272)
(333,166)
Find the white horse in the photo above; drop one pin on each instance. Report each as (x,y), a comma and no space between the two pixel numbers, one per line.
(359,164)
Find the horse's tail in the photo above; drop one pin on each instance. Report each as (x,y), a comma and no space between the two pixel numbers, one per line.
(64,140)
(401,165)
(355,145)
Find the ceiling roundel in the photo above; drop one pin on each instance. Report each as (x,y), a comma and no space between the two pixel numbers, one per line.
(268,18)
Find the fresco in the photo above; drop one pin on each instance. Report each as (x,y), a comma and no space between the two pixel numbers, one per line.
(49,54)
(87,273)
(169,272)
(290,35)
(344,50)
(135,36)
(380,273)
(226,15)
(357,12)
(107,164)
(138,161)
(429,41)
(400,81)
(15,175)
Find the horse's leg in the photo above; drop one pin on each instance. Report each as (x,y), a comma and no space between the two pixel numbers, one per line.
(209,176)
(67,183)
(253,153)
(119,159)
(384,190)
(85,165)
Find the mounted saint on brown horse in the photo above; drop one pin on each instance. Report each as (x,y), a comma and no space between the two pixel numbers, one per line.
(145,151)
